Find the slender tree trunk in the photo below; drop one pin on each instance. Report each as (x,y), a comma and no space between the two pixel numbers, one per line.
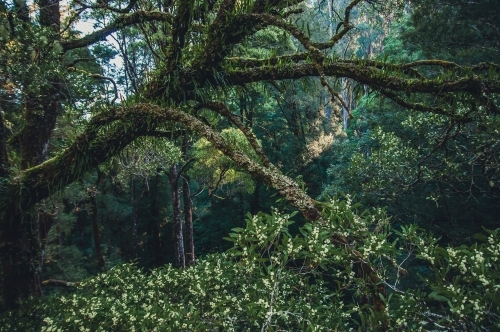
(154,226)
(188,220)
(133,204)
(180,260)
(45,221)
(345,114)
(95,224)
(188,207)
(4,160)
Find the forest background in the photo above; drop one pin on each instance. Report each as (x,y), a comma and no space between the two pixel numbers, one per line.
(219,110)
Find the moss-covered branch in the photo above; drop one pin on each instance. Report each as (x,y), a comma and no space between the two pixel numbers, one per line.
(109,132)
(120,22)
(365,74)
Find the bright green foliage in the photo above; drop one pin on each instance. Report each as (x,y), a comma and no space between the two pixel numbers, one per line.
(215,169)
(466,280)
(379,168)
(271,280)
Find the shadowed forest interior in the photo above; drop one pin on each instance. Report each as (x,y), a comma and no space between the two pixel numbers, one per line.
(272,165)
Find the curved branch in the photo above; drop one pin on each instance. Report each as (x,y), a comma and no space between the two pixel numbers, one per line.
(117,24)
(222,110)
(414,106)
(183,168)
(277,21)
(365,75)
(105,6)
(96,145)
(63,283)
(97,76)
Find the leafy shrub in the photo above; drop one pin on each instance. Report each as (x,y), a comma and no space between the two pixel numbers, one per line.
(271,280)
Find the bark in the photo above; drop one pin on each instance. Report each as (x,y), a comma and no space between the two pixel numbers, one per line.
(50,15)
(40,119)
(180,259)
(56,282)
(155,229)
(345,111)
(133,204)
(96,230)
(42,107)
(121,22)
(188,208)
(19,250)
(188,220)
(44,223)
(4,160)
(22,230)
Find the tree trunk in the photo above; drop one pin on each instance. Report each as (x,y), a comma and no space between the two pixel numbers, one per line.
(95,225)
(188,220)
(4,160)
(42,107)
(133,204)
(45,220)
(188,206)
(154,226)
(20,238)
(19,252)
(180,260)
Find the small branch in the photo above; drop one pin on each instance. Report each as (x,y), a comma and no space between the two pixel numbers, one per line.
(61,283)
(336,95)
(74,62)
(398,267)
(97,76)
(415,106)
(104,5)
(186,164)
(222,110)
(439,63)
(211,191)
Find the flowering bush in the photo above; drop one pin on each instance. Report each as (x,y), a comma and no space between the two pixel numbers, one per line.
(273,281)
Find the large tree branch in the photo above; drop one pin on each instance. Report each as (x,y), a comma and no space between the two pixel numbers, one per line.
(180,28)
(225,112)
(119,23)
(268,19)
(108,133)
(366,75)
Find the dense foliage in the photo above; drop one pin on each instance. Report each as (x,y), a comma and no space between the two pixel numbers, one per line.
(271,280)
(128,154)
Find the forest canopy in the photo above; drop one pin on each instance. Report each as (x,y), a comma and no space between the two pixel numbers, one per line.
(186,132)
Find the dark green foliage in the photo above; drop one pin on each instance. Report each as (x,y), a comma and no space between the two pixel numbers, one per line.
(461,30)
(272,279)
(432,169)
(336,103)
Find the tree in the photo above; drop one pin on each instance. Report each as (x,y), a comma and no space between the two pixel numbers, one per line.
(425,168)
(194,45)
